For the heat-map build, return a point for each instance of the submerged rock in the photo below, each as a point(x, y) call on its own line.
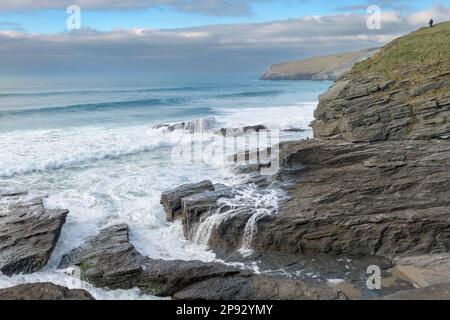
point(28, 233)
point(43, 291)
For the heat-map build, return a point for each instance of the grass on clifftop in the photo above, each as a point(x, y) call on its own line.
point(422, 54)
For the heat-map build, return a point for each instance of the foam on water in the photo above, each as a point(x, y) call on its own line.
point(249, 199)
point(286, 117)
point(115, 172)
point(62, 279)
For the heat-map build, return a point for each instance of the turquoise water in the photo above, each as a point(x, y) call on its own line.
point(91, 147)
point(26, 106)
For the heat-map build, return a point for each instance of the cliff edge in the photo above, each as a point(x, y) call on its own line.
point(328, 67)
point(375, 180)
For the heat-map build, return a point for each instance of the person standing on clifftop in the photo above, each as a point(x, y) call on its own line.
point(431, 23)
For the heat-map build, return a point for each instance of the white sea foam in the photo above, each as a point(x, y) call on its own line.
point(249, 199)
point(25, 152)
point(287, 117)
point(109, 175)
point(62, 279)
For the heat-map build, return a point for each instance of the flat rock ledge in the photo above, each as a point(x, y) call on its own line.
point(28, 233)
point(43, 291)
point(434, 292)
point(110, 260)
point(388, 198)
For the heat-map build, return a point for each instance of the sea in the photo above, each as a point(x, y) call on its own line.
point(97, 148)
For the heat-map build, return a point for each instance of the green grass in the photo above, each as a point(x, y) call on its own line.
point(418, 55)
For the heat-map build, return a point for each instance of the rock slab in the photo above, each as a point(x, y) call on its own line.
point(43, 291)
point(110, 260)
point(28, 233)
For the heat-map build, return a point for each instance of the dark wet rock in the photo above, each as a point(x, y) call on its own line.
point(257, 287)
point(374, 181)
point(344, 273)
point(28, 233)
point(365, 109)
point(234, 132)
point(195, 202)
point(362, 199)
point(200, 205)
point(228, 233)
point(434, 292)
point(171, 199)
point(294, 130)
point(110, 260)
point(43, 291)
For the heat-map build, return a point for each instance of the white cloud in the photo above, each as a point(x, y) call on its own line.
point(438, 14)
point(217, 48)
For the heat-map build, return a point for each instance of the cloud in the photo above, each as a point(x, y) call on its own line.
point(6, 25)
point(385, 5)
point(215, 49)
point(209, 7)
point(438, 14)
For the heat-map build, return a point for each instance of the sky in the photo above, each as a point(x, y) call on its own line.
point(212, 37)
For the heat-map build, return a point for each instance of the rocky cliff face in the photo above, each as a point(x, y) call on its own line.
point(367, 108)
point(375, 181)
point(319, 68)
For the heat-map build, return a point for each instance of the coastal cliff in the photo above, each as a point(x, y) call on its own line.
point(371, 188)
point(328, 67)
point(374, 181)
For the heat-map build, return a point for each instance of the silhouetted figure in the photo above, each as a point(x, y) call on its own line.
point(431, 23)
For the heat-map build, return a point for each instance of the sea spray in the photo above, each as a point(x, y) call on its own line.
point(265, 204)
point(112, 167)
point(248, 200)
point(207, 226)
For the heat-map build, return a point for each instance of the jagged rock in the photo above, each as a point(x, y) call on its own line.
point(257, 287)
point(43, 291)
point(233, 132)
point(228, 233)
point(171, 199)
point(434, 292)
point(200, 205)
point(362, 111)
point(194, 203)
point(374, 181)
point(362, 199)
point(28, 233)
point(110, 260)
point(357, 199)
